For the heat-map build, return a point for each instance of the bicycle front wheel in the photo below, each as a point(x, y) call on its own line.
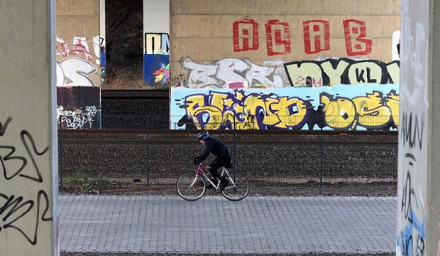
point(191, 187)
point(238, 187)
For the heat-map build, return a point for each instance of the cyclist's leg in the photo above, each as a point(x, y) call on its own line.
point(215, 165)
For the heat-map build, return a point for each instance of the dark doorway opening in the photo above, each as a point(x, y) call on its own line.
point(124, 44)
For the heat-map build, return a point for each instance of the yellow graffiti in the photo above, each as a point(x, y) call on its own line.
point(291, 112)
point(260, 111)
point(254, 103)
point(280, 112)
point(368, 111)
point(371, 112)
point(339, 113)
point(392, 101)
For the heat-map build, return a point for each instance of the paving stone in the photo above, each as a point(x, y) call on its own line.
point(262, 225)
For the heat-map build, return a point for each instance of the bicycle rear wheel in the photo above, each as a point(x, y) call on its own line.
point(238, 187)
point(191, 187)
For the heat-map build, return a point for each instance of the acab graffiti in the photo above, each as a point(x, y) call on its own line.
point(279, 74)
point(226, 110)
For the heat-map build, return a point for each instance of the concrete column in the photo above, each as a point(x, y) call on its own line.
point(418, 225)
point(156, 15)
point(28, 143)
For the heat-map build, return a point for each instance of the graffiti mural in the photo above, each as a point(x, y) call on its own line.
point(80, 46)
point(279, 74)
point(316, 34)
point(75, 72)
point(78, 82)
point(79, 107)
point(156, 59)
point(333, 108)
point(341, 71)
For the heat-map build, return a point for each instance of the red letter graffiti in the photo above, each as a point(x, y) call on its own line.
point(242, 28)
point(283, 27)
point(355, 33)
point(320, 31)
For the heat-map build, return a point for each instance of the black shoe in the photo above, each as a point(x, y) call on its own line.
point(223, 184)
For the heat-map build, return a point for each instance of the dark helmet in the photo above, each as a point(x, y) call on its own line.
point(203, 135)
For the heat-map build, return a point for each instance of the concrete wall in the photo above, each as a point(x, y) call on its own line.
point(209, 30)
point(417, 234)
point(226, 54)
point(434, 171)
point(28, 145)
point(78, 63)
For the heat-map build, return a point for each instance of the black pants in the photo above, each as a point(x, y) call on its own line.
point(218, 162)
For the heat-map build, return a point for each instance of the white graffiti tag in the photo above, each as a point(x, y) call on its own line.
point(219, 74)
point(78, 119)
point(75, 72)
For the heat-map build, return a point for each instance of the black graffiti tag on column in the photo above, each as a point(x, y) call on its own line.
point(27, 140)
point(14, 210)
point(18, 207)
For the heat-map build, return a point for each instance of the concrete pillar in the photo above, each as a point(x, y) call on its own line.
point(156, 40)
point(418, 225)
point(28, 143)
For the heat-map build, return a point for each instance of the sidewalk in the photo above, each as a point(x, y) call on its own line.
point(264, 225)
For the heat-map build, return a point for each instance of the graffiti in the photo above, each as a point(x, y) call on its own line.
point(316, 36)
point(78, 119)
point(218, 75)
point(368, 111)
point(275, 30)
point(412, 238)
point(417, 58)
point(156, 59)
point(157, 43)
point(16, 211)
point(277, 33)
point(178, 80)
point(412, 133)
point(76, 72)
point(241, 29)
point(395, 50)
point(80, 46)
point(341, 71)
point(251, 110)
point(356, 42)
point(278, 74)
point(162, 75)
point(78, 107)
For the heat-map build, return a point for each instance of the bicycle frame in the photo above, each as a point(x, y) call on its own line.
point(202, 169)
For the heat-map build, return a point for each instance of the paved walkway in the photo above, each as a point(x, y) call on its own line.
point(165, 224)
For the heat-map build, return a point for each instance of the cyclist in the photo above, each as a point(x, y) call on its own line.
point(220, 150)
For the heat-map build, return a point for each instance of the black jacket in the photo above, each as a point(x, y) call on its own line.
point(215, 147)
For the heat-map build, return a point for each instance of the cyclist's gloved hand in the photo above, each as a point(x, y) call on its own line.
point(196, 160)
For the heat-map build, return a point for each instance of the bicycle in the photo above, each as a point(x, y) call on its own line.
point(192, 186)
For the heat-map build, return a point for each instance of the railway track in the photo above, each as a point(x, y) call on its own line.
point(245, 137)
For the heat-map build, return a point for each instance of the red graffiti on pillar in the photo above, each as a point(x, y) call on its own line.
point(247, 30)
point(355, 38)
point(281, 32)
point(319, 31)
